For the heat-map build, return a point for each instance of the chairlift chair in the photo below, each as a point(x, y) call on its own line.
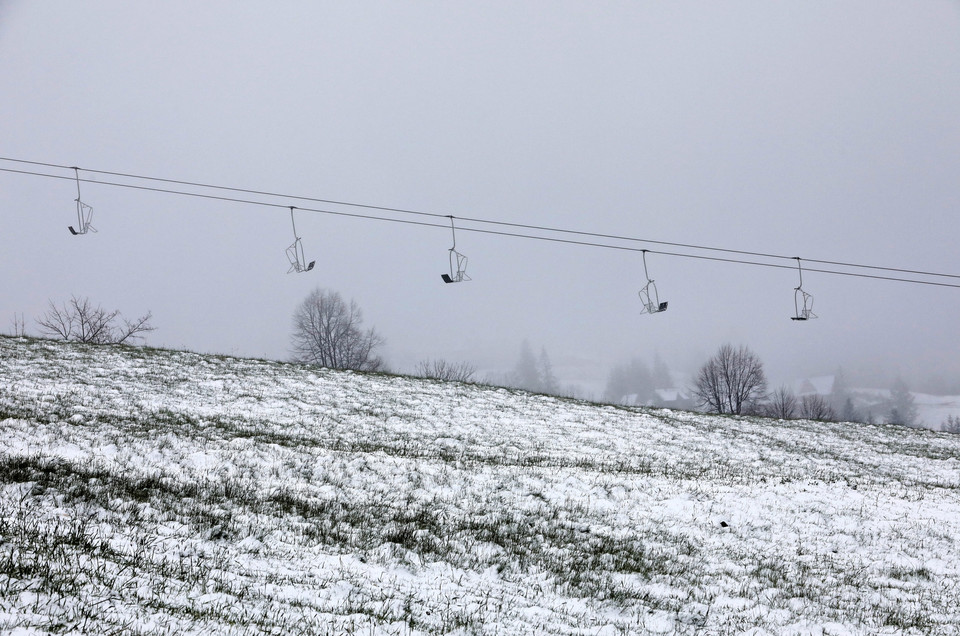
point(84, 212)
point(649, 297)
point(458, 262)
point(802, 301)
point(298, 263)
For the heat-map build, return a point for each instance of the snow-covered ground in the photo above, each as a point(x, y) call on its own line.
point(933, 410)
point(158, 492)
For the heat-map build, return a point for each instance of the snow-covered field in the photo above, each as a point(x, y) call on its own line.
point(933, 410)
point(158, 492)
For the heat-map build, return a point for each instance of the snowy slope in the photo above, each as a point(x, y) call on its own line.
point(159, 492)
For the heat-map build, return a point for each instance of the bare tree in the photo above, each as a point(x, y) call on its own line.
point(951, 425)
point(731, 381)
point(782, 405)
point(816, 407)
point(79, 320)
point(19, 326)
point(447, 371)
point(328, 332)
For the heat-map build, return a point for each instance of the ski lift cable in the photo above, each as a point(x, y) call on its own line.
point(229, 189)
point(536, 237)
point(482, 221)
point(540, 228)
point(500, 233)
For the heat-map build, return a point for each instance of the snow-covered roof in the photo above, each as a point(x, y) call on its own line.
point(671, 395)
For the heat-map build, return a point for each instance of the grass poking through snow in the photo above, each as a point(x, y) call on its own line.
point(161, 492)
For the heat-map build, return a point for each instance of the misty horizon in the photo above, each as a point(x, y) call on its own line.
point(828, 132)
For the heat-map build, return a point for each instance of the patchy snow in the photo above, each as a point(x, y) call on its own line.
point(152, 492)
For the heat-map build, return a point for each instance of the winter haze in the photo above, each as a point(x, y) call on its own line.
point(821, 130)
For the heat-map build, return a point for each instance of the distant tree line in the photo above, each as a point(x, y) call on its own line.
point(636, 382)
point(951, 425)
point(329, 332)
point(733, 381)
point(534, 373)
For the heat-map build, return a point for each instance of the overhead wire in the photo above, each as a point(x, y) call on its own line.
point(477, 220)
point(505, 224)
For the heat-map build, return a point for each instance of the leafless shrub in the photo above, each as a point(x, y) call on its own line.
point(815, 407)
point(782, 404)
point(80, 321)
point(447, 371)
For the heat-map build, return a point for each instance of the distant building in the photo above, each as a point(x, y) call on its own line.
point(662, 398)
point(674, 399)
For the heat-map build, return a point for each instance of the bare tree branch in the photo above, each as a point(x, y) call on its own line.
point(57, 322)
point(132, 330)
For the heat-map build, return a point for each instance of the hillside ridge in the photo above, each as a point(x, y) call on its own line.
point(156, 491)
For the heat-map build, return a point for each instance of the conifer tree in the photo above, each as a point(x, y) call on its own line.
point(548, 381)
point(903, 410)
point(525, 374)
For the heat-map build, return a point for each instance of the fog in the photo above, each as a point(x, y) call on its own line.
point(828, 131)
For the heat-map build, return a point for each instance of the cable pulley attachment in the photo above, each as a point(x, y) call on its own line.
point(84, 212)
point(648, 295)
point(458, 262)
point(802, 301)
point(298, 263)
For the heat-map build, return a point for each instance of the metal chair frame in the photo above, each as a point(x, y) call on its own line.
point(298, 263)
point(458, 262)
point(802, 301)
point(84, 212)
point(649, 297)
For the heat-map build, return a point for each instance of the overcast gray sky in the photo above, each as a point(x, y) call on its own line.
point(826, 130)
